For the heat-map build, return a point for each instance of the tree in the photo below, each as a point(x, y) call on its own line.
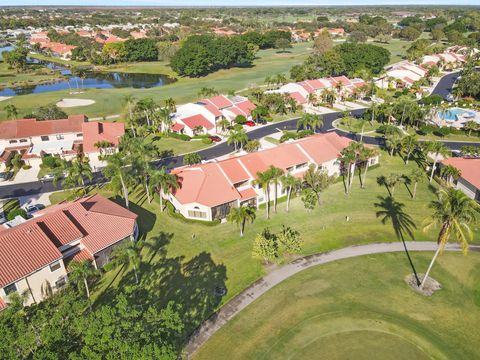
point(283, 44)
point(471, 126)
point(437, 34)
point(127, 254)
point(80, 272)
point(118, 171)
point(17, 58)
point(322, 43)
point(391, 181)
point(75, 173)
point(275, 176)
point(290, 240)
point(264, 180)
point(348, 157)
point(265, 246)
point(408, 145)
point(17, 162)
point(241, 215)
point(358, 36)
point(163, 182)
point(453, 212)
point(416, 176)
point(309, 199)
point(259, 112)
point(17, 212)
point(437, 149)
point(238, 138)
point(450, 173)
point(192, 159)
point(207, 92)
point(393, 143)
point(130, 102)
point(317, 180)
point(252, 146)
point(291, 183)
point(11, 111)
point(365, 154)
point(310, 122)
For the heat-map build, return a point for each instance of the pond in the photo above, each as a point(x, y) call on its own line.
point(92, 79)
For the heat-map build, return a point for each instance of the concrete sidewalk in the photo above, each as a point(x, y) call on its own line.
point(257, 289)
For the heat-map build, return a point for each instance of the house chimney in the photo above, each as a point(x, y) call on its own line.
point(100, 128)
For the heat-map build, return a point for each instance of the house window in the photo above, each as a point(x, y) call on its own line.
point(10, 289)
point(55, 266)
point(61, 282)
point(12, 142)
point(60, 137)
point(197, 214)
point(80, 135)
point(23, 140)
point(44, 138)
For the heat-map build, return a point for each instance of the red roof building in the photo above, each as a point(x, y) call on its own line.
point(94, 132)
point(198, 120)
point(469, 181)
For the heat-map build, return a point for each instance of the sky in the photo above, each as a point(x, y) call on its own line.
point(230, 3)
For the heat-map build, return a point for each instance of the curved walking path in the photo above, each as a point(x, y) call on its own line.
point(257, 289)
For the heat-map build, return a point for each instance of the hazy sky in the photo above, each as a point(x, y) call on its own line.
point(230, 3)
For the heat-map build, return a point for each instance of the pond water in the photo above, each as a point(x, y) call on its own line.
point(92, 79)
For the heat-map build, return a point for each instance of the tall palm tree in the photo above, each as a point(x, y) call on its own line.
point(416, 176)
point(141, 153)
point(275, 175)
point(76, 172)
point(291, 183)
point(347, 158)
point(453, 212)
point(118, 172)
point(471, 126)
point(241, 215)
point(163, 182)
point(316, 180)
point(130, 101)
point(391, 181)
point(365, 154)
point(238, 138)
point(393, 142)
point(264, 180)
point(171, 105)
point(408, 145)
point(80, 272)
point(450, 173)
point(437, 149)
point(127, 254)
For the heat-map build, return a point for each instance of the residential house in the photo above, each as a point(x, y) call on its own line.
point(208, 191)
point(400, 75)
point(35, 254)
point(469, 181)
point(58, 49)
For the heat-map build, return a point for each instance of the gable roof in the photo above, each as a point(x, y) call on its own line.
point(220, 101)
point(94, 132)
point(197, 120)
point(23, 128)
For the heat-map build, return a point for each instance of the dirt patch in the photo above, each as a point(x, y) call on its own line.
point(67, 103)
point(430, 287)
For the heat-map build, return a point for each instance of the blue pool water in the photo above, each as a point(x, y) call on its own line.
point(453, 114)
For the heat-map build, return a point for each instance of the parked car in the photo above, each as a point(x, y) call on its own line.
point(215, 138)
point(32, 209)
point(456, 153)
point(250, 123)
point(449, 98)
point(4, 176)
point(3, 218)
point(48, 177)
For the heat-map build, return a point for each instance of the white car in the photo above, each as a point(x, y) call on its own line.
point(32, 209)
point(48, 177)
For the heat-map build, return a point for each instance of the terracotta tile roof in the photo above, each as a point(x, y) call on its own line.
point(94, 132)
point(3, 305)
point(248, 193)
point(24, 128)
point(246, 106)
point(298, 97)
point(24, 249)
point(197, 120)
point(236, 111)
point(234, 170)
point(220, 101)
point(315, 84)
point(324, 147)
point(59, 228)
point(470, 169)
point(177, 127)
point(79, 256)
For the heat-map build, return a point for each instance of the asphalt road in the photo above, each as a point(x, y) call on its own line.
point(33, 188)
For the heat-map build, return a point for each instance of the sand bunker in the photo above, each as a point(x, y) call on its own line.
point(66, 103)
point(2, 98)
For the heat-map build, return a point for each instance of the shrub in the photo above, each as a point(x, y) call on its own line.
point(50, 161)
point(426, 129)
point(443, 131)
point(171, 212)
point(26, 167)
point(288, 136)
point(207, 141)
point(240, 119)
point(12, 214)
point(182, 137)
point(304, 133)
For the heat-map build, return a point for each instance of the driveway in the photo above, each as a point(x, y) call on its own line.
point(261, 286)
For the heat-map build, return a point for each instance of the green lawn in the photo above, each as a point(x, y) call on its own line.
point(360, 308)
point(34, 74)
point(176, 146)
point(356, 125)
point(397, 47)
point(180, 257)
point(110, 101)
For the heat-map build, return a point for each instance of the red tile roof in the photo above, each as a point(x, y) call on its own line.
point(470, 169)
point(234, 170)
point(3, 304)
point(246, 106)
point(248, 193)
point(298, 97)
point(24, 128)
point(177, 127)
point(79, 256)
point(24, 249)
point(94, 132)
point(59, 227)
point(197, 120)
point(220, 101)
point(331, 146)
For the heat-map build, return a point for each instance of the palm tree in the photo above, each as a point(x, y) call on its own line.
point(471, 126)
point(291, 183)
point(391, 181)
point(130, 101)
point(453, 211)
point(365, 154)
point(238, 138)
point(316, 180)
point(416, 176)
point(241, 215)
point(128, 254)
point(11, 111)
point(310, 122)
point(119, 174)
point(275, 175)
point(393, 142)
point(408, 145)
point(347, 158)
point(263, 180)
point(163, 182)
point(450, 173)
point(437, 148)
point(223, 124)
point(76, 172)
point(81, 271)
point(258, 112)
point(17, 162)
point(171, 105)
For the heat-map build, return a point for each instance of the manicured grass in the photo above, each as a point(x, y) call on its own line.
point(397, 47)
point(110, 101)
point(58, 60)
point(34, 74)
point(360, 308)
point(356, 125)
point(176, 146)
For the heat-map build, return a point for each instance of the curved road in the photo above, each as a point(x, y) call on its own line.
point(443, 88)
point(261, 286)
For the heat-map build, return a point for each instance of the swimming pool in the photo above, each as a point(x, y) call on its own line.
point(453, 114)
